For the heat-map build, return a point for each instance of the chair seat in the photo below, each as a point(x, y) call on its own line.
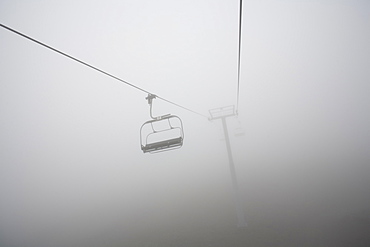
point(171, 143)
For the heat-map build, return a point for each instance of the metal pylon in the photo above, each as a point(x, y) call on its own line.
point(222, 113)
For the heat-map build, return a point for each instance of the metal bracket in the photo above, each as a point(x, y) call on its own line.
point(150, 102)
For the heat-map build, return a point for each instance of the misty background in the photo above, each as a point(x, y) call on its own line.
point(71, 169)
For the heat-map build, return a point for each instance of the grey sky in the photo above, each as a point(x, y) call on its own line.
point(69, 136)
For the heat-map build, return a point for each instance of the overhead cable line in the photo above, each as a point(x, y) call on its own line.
point(239, 53)
point(95, 68)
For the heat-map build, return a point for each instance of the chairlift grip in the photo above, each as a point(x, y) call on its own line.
point(150, 98)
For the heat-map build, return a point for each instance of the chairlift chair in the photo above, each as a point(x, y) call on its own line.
point(238, 132)
point(162, 133)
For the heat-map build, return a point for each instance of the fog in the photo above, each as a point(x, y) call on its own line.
point(72, 172)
